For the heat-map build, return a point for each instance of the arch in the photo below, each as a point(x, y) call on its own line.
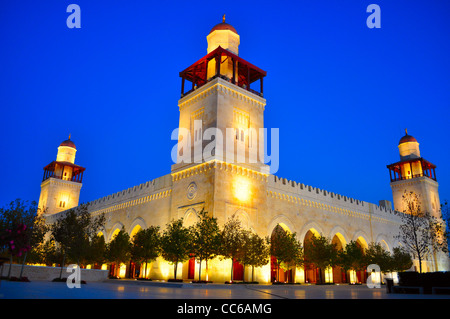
point(382, 240)
point(281, 220)
point(244, 218)
point(340, 233)
point(190, 217)
point(361, 241)
point(384, 244)
point(339, 274)
point(311, 272)
point(137, 225)
point(360, 238)
point(313, 226)
point(115, 230)
point(276, 272)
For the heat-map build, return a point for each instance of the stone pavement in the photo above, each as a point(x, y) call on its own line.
point(131, 289)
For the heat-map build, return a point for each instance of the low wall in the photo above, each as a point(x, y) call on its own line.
point(50, 273)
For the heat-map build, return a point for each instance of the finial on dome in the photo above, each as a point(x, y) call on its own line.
point(406, 131)
point(69, 136)
point(223, 19)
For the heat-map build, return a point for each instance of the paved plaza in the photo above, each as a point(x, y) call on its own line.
point(130, 289)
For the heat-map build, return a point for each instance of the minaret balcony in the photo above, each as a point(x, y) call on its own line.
point(412, 168)
point(65, 171)
point(224, 64)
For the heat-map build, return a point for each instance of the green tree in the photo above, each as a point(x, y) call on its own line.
point(119, 250)
point(420, 233)
point(352, 257)
point(206, 239)
point(322, 253)
point(96, 253)
point(285, 249)
point(255, 251)
point(176, 244)
point(232, 241)
point(378, 255)
point(73, 231)
point(400, 260)
point(146, 246)
point(21, 227)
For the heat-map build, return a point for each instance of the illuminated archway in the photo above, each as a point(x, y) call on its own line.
point(311, 272)
point(115, 230)
point(190, 218)
point(135, 267)
point(277, 274)
point(361, 275)
point(116, 270)
point(339, 274)
point(137, 225)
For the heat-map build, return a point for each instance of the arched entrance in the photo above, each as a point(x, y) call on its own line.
point(311, 271)
point(277, 273)
point(134, 268)
point(339, 275)
point(361, 275)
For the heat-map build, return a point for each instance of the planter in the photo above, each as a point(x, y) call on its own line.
point(175, 280)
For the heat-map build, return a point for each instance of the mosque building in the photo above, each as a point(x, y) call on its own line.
point(225, 94)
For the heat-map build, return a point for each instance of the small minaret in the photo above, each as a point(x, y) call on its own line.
point(414, 173)
point(61, 183)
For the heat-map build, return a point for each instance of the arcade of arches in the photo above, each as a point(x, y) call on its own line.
point(309, 273)
point(306, 274)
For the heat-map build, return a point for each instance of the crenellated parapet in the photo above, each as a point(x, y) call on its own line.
point(310, 196)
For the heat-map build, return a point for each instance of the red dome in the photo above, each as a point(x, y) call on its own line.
point(68, 143)
point(407, 138)
point(223, 26)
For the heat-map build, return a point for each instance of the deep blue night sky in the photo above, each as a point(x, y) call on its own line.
point(340, 93)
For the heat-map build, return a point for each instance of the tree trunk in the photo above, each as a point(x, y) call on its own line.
point(175, 267)
point(10, 266)
point(23, 264)
point(145, 275)
point(232, 268)
point(200, 270)
point(62, 266)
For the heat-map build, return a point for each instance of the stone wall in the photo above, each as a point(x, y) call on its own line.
point(49, 273)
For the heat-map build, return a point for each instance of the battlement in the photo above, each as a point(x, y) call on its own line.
point(301, 193)
point(157, 188)
point(133, 193)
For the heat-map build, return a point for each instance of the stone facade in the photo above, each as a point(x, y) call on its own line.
point(224, 186)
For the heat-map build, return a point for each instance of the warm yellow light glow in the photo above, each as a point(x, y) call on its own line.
point(242, 189)
point(122, 270)
point(134, 231)
point(104, 267)
point(329, 275)
point(352, 274)
point(300, 275)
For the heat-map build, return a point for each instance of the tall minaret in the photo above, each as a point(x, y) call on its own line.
point(414, 173)
point(218, 167)
point(61, 183)
point(222, 96)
